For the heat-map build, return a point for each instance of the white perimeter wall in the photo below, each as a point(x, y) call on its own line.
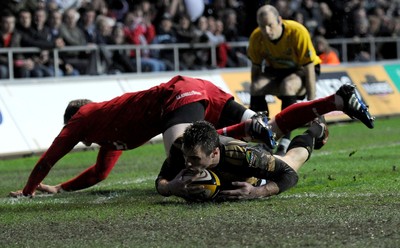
point(31, 112)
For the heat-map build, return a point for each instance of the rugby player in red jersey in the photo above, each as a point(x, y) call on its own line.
point(132, 119)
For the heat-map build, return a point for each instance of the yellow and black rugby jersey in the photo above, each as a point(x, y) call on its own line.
point(240, 161)
point(292, 50)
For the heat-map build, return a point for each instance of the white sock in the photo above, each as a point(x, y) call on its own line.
point(247, 115)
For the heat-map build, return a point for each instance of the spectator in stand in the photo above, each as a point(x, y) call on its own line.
point(118, 9)
point(72, 35)
point(30, 38)
point(54, 24)
point(284, 8)
point(119, 60)
point(139, 31)
point(312, 17)
point(327, 20)
point(166, 35)
point(11, 38)
point(149, 12)
point(383, 25)
point(327, 54)
point(231, 33)
point(216, 27)
point(203, 35)
point(223, 58)
point(185, 33)
point(16, 5)
point(238, 7)
point(99, 6)
point(43, 40)
point(104, 26)
point(103, 29)
point(359, 51)
point(87, 24)
point(212, 34)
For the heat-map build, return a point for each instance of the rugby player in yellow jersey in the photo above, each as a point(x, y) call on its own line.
point(291, 63)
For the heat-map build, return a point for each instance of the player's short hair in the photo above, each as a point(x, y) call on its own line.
point(201, 134)
point(73, 107)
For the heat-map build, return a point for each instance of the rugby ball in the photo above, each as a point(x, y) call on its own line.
point(211, 184)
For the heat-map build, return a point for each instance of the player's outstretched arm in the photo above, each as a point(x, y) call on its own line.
point(246, 191)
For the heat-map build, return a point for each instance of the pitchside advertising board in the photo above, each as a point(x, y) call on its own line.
point(31, 112)
point(378, 85)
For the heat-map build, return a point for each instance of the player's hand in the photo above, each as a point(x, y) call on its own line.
point(243, 191)
point(19, 193)
point(180, 185)
point(49, 188)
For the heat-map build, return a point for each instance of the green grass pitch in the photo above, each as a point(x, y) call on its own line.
point(347, 196)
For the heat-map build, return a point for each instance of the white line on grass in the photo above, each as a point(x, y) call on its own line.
point(101, 199)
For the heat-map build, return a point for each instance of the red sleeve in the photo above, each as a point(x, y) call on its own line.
point(62, 144)
point(106, 160)
point(222, 57)
point(131, 36)
point(150, 33)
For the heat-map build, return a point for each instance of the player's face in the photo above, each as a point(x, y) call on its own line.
point(270, 26)
point(197, 159)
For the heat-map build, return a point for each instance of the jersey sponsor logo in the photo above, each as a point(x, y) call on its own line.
point(186, 94)
point(252, 157)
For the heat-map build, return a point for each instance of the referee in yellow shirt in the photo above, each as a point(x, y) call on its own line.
point(284, 63)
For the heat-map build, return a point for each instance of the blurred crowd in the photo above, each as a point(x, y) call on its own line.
point(49, 24)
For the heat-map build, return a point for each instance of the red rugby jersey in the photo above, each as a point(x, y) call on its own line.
point(128, 121)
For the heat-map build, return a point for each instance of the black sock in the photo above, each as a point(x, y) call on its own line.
point(315, 131)
point(287, 101)
point(258, 103)
point(305, 140)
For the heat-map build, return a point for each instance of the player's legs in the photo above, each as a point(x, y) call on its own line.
point(353, 105)
point(288, 119)
point(301, 147)
point(234, 113)
point(176, 122)
point(259, 89)
point(301, 113)
point(290, 87)
point(172, 133)
point(252, 126)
